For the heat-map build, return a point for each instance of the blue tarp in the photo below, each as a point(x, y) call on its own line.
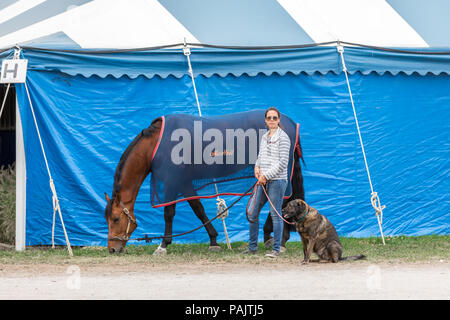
point(89, 107)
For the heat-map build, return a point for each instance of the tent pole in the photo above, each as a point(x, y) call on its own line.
point(21, 187)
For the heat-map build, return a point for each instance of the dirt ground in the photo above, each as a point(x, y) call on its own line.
point(266, 281)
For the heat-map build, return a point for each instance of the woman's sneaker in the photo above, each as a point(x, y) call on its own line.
point(273, 254)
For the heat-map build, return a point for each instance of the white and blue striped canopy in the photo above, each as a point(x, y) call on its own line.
point(150, 23)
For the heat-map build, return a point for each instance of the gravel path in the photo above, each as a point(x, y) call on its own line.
point(357, 280)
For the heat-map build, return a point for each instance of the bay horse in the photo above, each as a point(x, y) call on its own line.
point(134, 166)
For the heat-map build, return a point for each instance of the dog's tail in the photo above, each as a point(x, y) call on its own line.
point(357, 257)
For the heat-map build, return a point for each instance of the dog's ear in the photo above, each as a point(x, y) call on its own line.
point(301, 205)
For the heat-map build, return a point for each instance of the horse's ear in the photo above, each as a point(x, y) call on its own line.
point(107, 198)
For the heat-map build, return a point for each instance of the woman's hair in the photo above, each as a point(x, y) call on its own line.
point(273, 109)
point(278, 112)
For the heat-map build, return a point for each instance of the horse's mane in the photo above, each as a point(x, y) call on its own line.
point(123, 159)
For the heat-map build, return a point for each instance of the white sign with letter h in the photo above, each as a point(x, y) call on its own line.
point(14, 71)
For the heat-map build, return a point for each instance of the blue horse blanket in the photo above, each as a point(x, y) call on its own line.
point(203, 157)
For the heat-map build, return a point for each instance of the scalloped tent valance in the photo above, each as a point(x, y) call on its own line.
point(236, 61)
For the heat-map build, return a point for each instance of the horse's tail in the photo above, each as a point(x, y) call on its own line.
point(298, 192)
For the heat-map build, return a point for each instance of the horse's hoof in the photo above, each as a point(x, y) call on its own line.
point(214, 248)
point(160, 251)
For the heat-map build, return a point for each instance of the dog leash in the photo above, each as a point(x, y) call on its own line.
point(270, 202)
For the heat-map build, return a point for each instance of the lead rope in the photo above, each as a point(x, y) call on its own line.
point(56, 206)
point(253, 196)
point(221, 205)
point(374, 199)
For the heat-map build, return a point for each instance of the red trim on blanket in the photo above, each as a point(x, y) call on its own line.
point(159, 138)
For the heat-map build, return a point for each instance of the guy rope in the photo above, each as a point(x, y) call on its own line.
point(221, 205)
point(56, 206)
point(374, 200)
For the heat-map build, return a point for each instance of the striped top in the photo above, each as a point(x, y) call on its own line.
point(273, 157)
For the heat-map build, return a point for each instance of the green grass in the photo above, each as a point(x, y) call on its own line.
point(400, 249)
point(7, 204)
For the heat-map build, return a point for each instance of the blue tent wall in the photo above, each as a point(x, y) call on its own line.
point(87, 122)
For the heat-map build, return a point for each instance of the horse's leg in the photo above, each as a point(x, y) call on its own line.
point(268, 228)
point(298, 192)
point(169, 214)
point(199, 211)
point(286, 234)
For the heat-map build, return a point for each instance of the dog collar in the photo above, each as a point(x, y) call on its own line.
point(303, 217)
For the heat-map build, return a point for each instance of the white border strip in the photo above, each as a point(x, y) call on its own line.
point(17, 8)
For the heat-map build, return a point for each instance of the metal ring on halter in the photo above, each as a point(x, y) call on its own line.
point(126, 237)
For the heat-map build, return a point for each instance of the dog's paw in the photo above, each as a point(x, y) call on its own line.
point(305, 262)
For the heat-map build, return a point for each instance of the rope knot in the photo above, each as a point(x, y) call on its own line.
point(221, 208)
point(375, 200)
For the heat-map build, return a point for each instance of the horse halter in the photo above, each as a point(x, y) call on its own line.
point(126, 237)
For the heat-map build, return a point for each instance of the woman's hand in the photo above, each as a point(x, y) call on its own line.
point(262, 179)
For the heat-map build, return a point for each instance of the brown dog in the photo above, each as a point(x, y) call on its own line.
point(317, 233)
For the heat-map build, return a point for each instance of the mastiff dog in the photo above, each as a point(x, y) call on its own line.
point(317, 233)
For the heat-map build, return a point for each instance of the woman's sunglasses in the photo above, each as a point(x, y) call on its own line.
point(274, 118)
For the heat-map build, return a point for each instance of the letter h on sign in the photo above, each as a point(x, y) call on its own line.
point(14, 71)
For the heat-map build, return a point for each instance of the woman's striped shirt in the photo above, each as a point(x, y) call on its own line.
point(273, 157)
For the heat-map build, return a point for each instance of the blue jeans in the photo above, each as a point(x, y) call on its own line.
point(275, 190)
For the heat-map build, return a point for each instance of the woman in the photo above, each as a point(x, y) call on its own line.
point(271, 172)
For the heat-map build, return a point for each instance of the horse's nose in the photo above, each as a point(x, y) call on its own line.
point(115, 250)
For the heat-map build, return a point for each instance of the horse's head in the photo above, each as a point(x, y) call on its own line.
point(121, 223)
